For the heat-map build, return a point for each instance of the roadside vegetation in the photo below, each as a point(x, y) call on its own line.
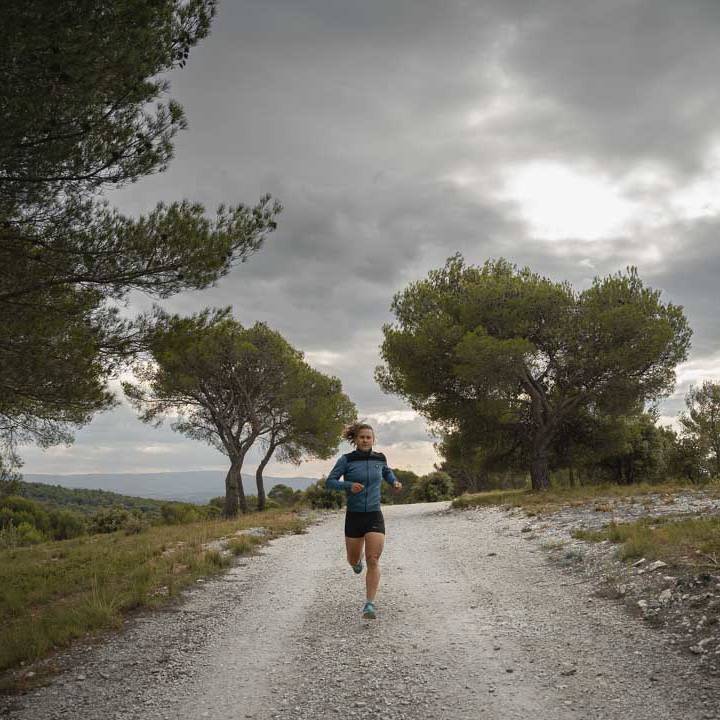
point(53, 592)
point(690, 541)
point(536, 503)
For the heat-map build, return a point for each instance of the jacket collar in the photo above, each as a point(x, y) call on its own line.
point(360, 455)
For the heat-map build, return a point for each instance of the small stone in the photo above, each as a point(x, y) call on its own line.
point(656, 565)
point(509, 670)
point(665, 596)
point(638, 562)
point(81, 677)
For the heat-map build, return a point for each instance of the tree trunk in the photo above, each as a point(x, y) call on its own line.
point(231, 495)
point(259, 476)
point(571, 476)
point(234, 493)
point(539, 474)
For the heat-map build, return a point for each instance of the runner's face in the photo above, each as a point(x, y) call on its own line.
point(364, 439)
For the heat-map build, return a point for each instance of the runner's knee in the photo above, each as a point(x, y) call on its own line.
point(373, 559)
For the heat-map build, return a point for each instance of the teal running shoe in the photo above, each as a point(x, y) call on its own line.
point(358, 567)
point(369, 610)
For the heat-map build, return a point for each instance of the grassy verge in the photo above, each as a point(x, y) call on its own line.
point(56, 591)
point(691, 541)
point(537, 502)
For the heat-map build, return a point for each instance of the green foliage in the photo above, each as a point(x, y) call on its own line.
point(433, 487)
point(109, 520)
point(85, 110)
point(66, 524)
point(179, 513)
point(24, 533)
point(84, 501)
point(17, 510)
point(232, 386)
point(283, 495)
point(388, 496)
point(687, 460)
point(307, 418)
point(320, 497)
point(506, 358)
point(701, 423)
point(270, 504)
point(135, 524)
point(23, 521)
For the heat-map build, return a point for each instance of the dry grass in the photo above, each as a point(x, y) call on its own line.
point(536, 502)
point(56, 591)
point(690, 541)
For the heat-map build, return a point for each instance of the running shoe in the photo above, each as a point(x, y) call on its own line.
point(369, 610)
point(358, 567)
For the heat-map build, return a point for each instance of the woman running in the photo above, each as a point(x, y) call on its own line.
point(364, 471)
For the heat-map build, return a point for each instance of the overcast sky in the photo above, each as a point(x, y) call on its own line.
point(573, 137)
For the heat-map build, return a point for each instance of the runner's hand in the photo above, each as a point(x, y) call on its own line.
point(356, 488)
point(397, 486)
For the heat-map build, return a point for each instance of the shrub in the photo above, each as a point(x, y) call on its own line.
point(18, 510)
point(30, 535)
point(282, 494)
point(135, 524)
point(66, 524)
point(318, 496)
point(212, 511)
point(252, 503)
point(108, 520)
point(179, 513)
point(433, 487)
point(12, 536)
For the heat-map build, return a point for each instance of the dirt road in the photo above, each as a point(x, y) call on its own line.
point(473, 622)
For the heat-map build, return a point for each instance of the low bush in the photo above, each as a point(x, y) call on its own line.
point(432, 488)
point(179, 513)
point(109, 520)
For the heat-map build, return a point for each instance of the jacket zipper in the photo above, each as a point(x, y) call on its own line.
point(367, 480)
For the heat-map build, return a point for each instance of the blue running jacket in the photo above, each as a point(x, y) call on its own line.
point(367, 468)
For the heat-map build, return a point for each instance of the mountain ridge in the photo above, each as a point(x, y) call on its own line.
point(197, 486)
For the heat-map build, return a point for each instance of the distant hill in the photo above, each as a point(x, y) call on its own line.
point(193, 486)
point(86, 502)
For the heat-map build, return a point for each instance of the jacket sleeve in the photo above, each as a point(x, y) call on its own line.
point(333, 481)
point(388, 475)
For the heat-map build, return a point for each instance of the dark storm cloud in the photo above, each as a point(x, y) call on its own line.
point(627, 82)
point(387, 129)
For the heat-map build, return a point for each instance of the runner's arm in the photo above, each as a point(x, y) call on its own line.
point(388, 475)
point(333, 481)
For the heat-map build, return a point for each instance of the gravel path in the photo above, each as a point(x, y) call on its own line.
point(473, 622)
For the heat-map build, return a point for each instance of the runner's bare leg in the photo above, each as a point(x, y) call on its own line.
point(354, 547)
point(374, 543)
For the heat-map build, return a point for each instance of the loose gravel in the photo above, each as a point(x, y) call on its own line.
point(474, 621)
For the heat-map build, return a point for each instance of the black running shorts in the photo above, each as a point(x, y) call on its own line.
point(359, 523)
